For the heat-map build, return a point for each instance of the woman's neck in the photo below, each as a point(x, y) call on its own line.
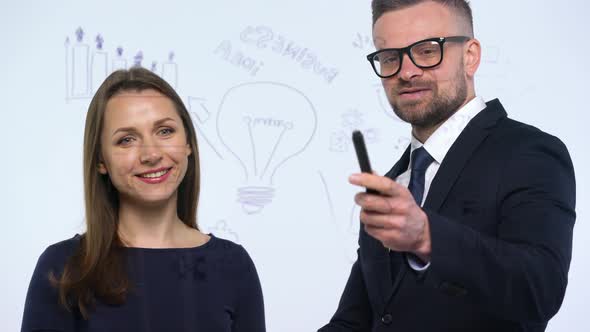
point(152, 226)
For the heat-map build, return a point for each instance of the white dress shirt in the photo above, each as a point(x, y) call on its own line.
point(437, 145)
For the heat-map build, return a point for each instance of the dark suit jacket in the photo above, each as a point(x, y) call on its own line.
point(501, 211)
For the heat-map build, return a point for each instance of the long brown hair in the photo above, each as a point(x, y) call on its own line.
point(97, 269)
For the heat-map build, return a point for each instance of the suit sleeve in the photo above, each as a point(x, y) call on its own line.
point(520, 274)
point(354, 310)
point(42, 309)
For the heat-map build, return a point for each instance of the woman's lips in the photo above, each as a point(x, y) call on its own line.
point(155, 177)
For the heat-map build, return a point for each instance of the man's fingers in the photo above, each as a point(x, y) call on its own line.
point(373, 203)
point(379, 220)
point(382, 234)
point(382, 184)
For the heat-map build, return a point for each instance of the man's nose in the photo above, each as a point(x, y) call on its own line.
point(409, 70)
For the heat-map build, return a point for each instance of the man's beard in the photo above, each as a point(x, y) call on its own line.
point(437, 110)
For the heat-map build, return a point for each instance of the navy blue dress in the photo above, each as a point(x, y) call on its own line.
point(209, 288)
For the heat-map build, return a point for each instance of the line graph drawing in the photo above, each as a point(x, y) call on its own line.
point(263, 125)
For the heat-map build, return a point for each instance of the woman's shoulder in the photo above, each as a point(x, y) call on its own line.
point(229, 251)
point(225, 246)
point(58, 253)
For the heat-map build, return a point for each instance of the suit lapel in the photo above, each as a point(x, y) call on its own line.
point(400, 166)
point(384, 276)
point(460, 152)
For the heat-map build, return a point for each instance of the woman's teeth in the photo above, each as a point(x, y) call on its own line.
point(154, 175)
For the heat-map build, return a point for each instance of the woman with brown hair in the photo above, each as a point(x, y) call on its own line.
point(142, 264)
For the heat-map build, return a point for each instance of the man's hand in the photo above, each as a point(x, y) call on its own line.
point(393, 217)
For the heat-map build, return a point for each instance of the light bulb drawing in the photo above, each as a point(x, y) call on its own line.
point(264, 124)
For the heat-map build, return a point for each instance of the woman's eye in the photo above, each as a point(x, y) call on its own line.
point(125, 140)
point(166, 131)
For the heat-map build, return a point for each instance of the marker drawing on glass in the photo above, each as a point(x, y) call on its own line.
point(200, 115)
point(170, 71)
point(99, 64)
point(119, 62)
point(222, 230)
point(67, 66)
point(352, 119)
point(80, 69)
point(263, 125)
point(137, 59)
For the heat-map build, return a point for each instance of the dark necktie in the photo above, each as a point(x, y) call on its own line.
point(421, 159)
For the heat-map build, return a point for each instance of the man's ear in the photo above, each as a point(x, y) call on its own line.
point(472, 57)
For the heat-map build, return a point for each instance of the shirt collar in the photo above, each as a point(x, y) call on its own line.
point(439, 143)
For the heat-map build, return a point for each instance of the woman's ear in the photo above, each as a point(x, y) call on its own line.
point(189, 151)
point(102, 169)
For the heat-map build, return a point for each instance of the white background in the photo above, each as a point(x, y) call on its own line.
point(535, 60)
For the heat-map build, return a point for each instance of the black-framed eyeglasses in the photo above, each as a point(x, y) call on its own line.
point(427, 53)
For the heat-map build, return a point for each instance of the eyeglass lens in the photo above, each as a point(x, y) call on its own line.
point(425, 54)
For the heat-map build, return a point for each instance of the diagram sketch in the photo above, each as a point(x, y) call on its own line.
point(170, 71)
point(263, 125)
point(352, 119)
point(99, 64)
point(201, 115)
point(77, 67)
point(119, 62)
point(362, 41)
point(347, 226)
point(86, 67)
point(384, 102)
point(351, 233)
point(265, 38)
point(222, 230)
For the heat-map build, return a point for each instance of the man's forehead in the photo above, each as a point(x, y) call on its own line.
point(405, 26)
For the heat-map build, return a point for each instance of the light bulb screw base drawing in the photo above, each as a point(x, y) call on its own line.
point(254, 198)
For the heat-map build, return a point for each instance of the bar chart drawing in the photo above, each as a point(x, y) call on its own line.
point(87, 67)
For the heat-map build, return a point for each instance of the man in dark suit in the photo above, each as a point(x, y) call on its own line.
point(472, 228)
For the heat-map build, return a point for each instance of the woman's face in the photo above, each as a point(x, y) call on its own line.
point(144, 149)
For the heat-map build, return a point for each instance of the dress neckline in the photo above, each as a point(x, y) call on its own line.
point(203, 246)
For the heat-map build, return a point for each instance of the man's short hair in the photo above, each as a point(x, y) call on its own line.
point(460, 7)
